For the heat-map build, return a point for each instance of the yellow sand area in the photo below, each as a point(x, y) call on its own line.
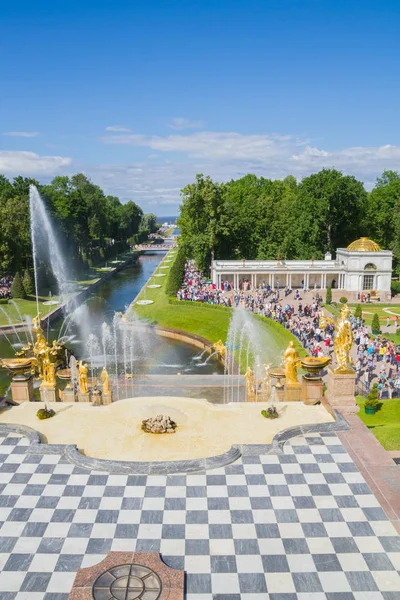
point(204, 429)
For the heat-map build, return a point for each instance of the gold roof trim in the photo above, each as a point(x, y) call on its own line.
point(364, 244)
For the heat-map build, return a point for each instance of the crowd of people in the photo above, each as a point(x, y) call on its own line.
point(5, 286)
point(376, 359)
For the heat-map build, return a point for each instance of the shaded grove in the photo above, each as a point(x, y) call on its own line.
point(258, 218)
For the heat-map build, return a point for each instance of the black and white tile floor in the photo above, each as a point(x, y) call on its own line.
point(302, 525)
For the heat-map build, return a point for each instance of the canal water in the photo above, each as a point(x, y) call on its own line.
point(162, 356)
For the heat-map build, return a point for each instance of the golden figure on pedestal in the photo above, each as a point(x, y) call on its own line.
point(250, 384)
point(83, 377)
point(343, 341)
point(105, 378)
point(291, 361)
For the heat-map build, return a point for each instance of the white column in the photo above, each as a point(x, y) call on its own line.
point(272, 280)
point(253, 281)
point(236, 280)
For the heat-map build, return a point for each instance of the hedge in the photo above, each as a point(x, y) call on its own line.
point(176, 273)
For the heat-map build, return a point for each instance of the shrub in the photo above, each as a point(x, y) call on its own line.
point(17, 288)
point(358, 312)
point(328, 295)
point(175, 277)
point(343, 300)
point(28, 283)
point(372, 399)
point(395, 287)
point(3, 300)
point(376, 326)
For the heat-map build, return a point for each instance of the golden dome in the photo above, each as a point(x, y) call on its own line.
point(364, 244)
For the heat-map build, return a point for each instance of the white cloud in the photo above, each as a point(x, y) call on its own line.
point(25, 134)
point(227, 155)
point(271, 151)
point(29, 163)
point(117, 128)
point(183, 123)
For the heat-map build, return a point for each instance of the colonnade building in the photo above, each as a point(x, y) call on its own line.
point(361, 267)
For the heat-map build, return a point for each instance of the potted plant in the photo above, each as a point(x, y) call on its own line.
point(372, 402)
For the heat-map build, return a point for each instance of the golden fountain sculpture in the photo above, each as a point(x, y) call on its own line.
point(343, 342)
point(250, 384)
point(291, 361)
point(38, 359)
point(220, 348)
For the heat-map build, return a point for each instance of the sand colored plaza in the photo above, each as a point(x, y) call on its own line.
point(204, 429)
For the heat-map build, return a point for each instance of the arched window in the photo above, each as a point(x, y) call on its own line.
point(370, 267)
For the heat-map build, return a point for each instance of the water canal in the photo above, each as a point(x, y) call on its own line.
point(152, 355)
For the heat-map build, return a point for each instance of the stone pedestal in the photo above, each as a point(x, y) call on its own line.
point(107, 398)
point(312, 391)
point(22, 388)
point(293, 392)
point(83, 397)
point(280, 393)
point(68, 395)
point(49, 393)
point(340, 391)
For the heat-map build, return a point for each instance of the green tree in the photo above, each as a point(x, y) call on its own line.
point(382, 219)
point(330, 207)
point(17, 288)
point(328, 295)
point(376, 326)
point(148, 222)
point(358, 312)
point(28, 283)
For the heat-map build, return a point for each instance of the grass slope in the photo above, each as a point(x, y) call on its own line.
point(208, 320)
point(384, 424)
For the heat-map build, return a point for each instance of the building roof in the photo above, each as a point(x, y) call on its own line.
point(364, 244)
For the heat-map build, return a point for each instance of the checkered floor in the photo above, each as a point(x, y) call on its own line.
point(300, 526)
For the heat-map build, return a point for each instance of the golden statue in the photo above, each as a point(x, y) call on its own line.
point(36, 328)
point(220, 348)
point(105, 378)
point(83, 377)
point(250, 384)
point(291, 360)
point(49, 370)
point(343, 342)
point(324, 321)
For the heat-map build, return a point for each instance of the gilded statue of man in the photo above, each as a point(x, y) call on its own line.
point(343, 341)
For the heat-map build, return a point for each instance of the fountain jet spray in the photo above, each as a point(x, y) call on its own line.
point(43, 237)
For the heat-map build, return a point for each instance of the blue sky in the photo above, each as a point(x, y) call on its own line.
point(141, 95)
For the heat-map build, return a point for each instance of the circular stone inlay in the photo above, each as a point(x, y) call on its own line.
point(153, 286)
point(127, 582)
point(144, 302)
point(159, 275)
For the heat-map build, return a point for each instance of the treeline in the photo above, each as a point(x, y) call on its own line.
point(93, 226)
point(257, 218)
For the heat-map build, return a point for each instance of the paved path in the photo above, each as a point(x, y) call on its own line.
point(303, 525)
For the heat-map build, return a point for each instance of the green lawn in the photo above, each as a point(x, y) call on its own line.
point(26, 307)
point(384, 424)
point(207, 320)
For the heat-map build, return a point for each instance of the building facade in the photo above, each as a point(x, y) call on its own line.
point(361, 267)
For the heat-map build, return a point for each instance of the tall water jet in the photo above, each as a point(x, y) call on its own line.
point(44, 239)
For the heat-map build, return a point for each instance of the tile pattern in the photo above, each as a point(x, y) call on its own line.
point(302, 525)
